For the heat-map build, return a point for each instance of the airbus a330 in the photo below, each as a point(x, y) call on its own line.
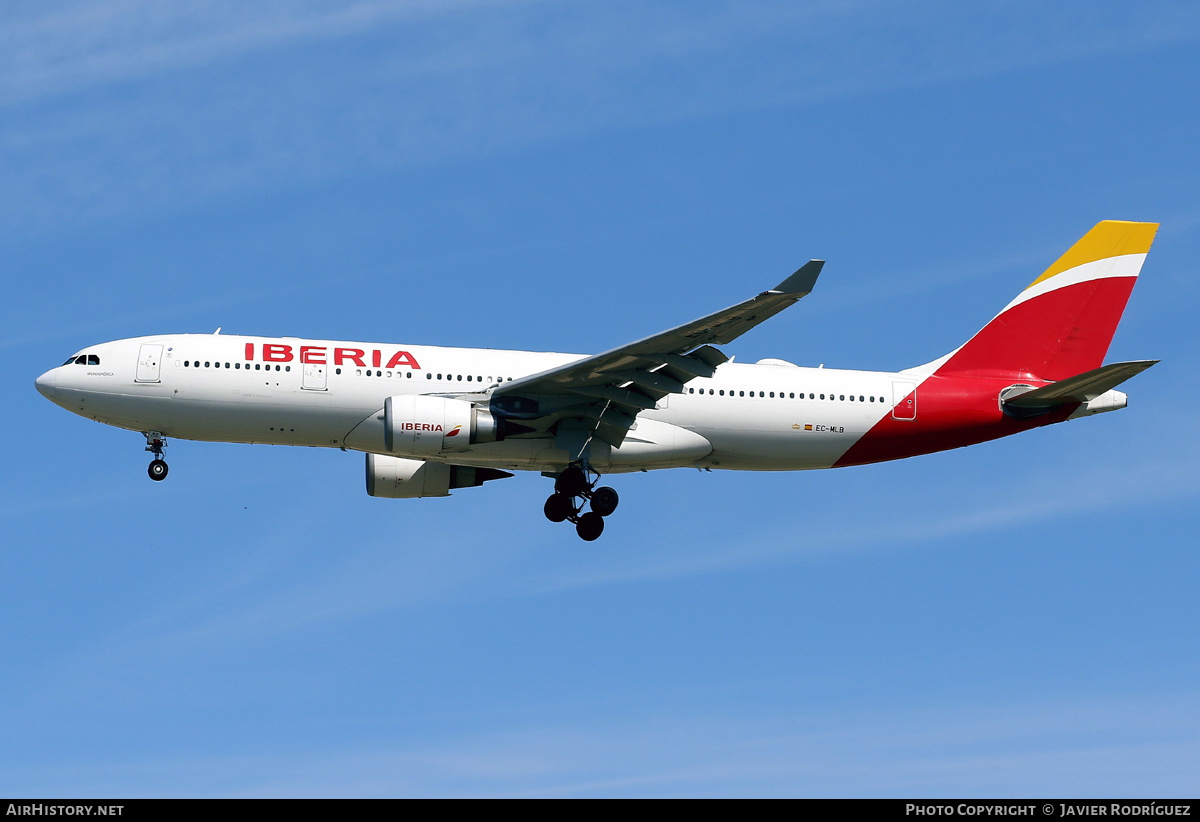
point(433, 419)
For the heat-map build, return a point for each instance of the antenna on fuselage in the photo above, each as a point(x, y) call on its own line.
point(218, 331)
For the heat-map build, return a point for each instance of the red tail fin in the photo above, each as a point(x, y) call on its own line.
point(1062, 324)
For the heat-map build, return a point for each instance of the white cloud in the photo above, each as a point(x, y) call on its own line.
point(135, 107)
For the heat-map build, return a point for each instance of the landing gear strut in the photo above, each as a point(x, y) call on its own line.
point(155, 443)
point(572, 489)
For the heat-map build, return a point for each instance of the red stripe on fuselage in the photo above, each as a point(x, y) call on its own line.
point(951, 412)
point(1050, 337)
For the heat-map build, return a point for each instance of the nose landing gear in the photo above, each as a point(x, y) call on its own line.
point(155, 443)
point(575, 482)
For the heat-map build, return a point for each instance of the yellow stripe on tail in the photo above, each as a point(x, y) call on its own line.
point(1110, 238)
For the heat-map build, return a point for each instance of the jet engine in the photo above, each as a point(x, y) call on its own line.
point(400, 478)
point(423, 425)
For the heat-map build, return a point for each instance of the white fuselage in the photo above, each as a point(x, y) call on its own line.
point(331, 394)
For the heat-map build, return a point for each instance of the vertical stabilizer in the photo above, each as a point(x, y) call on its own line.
point(1062, 324)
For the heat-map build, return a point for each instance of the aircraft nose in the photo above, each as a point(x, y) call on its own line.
point(47, 384)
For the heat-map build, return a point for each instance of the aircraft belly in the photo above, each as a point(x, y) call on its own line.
point(241, 418)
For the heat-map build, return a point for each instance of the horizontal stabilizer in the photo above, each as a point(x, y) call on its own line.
point(1082, 387)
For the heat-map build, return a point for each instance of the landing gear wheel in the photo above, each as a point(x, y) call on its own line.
point(604, 500)
point(558, 507)
point(157, 470)
point(590, 526)
point(572, 482)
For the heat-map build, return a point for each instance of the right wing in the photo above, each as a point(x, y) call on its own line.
point(608, 390)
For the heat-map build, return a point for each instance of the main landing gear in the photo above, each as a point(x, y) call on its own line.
point(155, 443)
point(574, 482)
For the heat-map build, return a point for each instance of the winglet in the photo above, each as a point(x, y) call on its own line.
point(802, 281)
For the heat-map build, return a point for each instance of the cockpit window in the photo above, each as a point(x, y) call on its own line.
point(81, 359)
point(93, 359)
point(70, 360)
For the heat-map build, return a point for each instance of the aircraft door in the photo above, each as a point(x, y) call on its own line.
point(904, 401)
point(148, 363)
point(314, 378)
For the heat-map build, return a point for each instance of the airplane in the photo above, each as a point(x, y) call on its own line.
point(435, 419)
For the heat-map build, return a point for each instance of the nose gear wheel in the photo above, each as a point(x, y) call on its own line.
point(155, 443)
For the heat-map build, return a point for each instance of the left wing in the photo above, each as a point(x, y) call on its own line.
point(609, 389)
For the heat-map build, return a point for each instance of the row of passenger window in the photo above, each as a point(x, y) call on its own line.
point(791, 395)
point(83, 359)
point(358, 372)
point(429, 375)
point(209, 364)
point(459, 378)
point(92, 359)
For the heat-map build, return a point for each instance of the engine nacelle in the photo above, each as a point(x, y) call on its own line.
point(401, 478)
point(424, 425)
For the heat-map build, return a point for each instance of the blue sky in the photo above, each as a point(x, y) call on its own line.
point(1017, 618)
